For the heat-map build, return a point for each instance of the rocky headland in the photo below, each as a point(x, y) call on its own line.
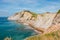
point(45, 24)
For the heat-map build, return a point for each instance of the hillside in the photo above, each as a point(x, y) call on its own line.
point(49, 36)
point(52, 33)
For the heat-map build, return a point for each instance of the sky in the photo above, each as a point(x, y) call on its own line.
point(9, 7)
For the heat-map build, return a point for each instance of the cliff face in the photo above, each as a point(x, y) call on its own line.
point(56, 19)
point(47, 23)
point(14, 17)
point(51, 33)
point(44, 20)
point(39, 22)
point(21, 15)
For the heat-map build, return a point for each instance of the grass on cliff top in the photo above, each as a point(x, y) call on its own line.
point(34, 14)
point(49, 36)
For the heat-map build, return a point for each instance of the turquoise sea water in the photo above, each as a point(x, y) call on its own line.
point(14, 30)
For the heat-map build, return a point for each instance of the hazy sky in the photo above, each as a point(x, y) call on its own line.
point(9, 7)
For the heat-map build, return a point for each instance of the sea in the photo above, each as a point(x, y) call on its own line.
point(14, 30)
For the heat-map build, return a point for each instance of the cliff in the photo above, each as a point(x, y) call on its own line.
point(46, 23)
point(38, 22)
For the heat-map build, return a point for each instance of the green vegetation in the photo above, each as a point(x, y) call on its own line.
point(34, 14)
point(58, 11)
point(49, 36)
